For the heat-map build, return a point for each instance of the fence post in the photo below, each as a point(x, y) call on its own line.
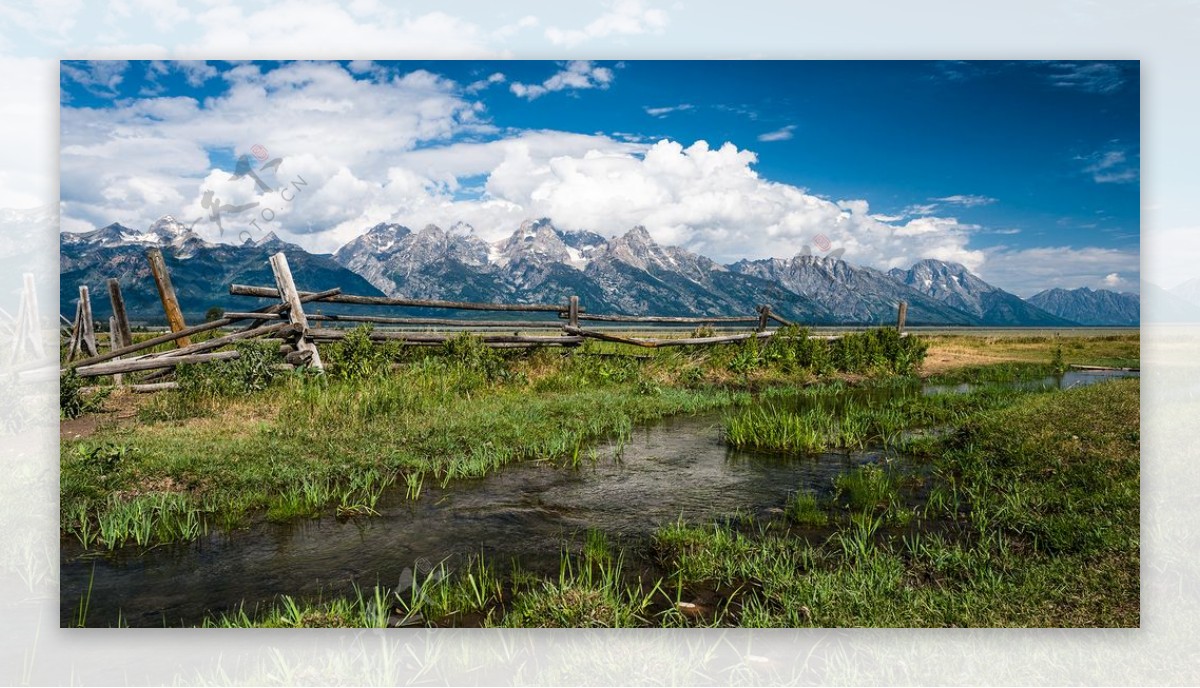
point(291, 298)
point(900, 316)
point(573, 312)
point(29, 329)
point(76, 329)
point(166, 292)
point(116, 340)
point(764, 314)
point(87, 332)
point(118, 307)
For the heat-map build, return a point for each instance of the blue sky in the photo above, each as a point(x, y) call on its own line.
point(1026, 172)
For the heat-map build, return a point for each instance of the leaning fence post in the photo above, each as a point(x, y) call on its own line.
point(87, 333)
point(166, 292)
point(573, 311)
point(30, 326)
point(291, 298)
point(118, 307)
point(764, 314)
point(116, 340)
point(76, 331)
point(900, 316)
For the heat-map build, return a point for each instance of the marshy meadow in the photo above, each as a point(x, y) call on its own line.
point(943, 478)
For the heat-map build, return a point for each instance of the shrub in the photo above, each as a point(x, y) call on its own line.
point(252, 371)
point(468, 352)
point(73, 401)
point(1057, 363)
point(357, 357)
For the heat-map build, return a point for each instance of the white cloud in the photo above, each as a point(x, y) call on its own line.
point(392, 148)
point(491, 80)
point(919, 209)
point(710, 201)
point(507, 31)
point(1095, 77)
point(98, 76)
point(303, 31)
point(1111, 166)
point(782, 134)
point(966, 200)
point(1114, 280)
point(575, 75)
point(150, 157)
point(625, 18)
point(1027, 271)
point(27, 163)
point(664, 111)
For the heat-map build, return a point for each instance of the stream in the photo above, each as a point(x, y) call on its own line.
point(524, 512)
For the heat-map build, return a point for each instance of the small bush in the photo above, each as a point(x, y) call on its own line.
point(252, 371)
point(358, 358)
point(868, 488)
point(468, 351)
point(804, 508)
point(73, 401)
point(1057, 363)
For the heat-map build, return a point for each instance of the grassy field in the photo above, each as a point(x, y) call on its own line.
point(1023, 510)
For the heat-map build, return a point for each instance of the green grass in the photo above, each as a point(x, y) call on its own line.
point(239, 437)
point(1030, 516)
point(1036, 525)
point(1034, 522)
point(876, 414)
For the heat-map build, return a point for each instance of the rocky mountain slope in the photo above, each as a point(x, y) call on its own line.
point(1090, 307)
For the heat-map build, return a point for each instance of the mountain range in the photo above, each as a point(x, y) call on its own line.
point(201, 272)
point(539, 263)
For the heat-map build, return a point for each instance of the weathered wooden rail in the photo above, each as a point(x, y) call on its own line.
point(287, 322)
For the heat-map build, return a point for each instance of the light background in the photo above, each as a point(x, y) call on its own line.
point(33, 36)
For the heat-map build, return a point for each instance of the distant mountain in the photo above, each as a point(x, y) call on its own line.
point(1188, 291)
point(201, 272)
point(853, 294)
point(538, 263)
point(1164, 306)
point(954, 285)
point(1088, 307)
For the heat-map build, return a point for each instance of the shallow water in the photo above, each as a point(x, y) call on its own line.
point(677, 468)
point(1068, 380)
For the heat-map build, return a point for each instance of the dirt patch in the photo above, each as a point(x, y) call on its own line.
point(941, 359)
point(119, 407)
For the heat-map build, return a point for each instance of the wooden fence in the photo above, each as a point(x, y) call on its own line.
point(288, 322)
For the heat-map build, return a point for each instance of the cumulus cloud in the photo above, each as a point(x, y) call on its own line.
point(339, 154)
point(710, 200)
point(624, 18)
point(1028, 271)
point(153, 156)
point(575, 75)
point(781, 134)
